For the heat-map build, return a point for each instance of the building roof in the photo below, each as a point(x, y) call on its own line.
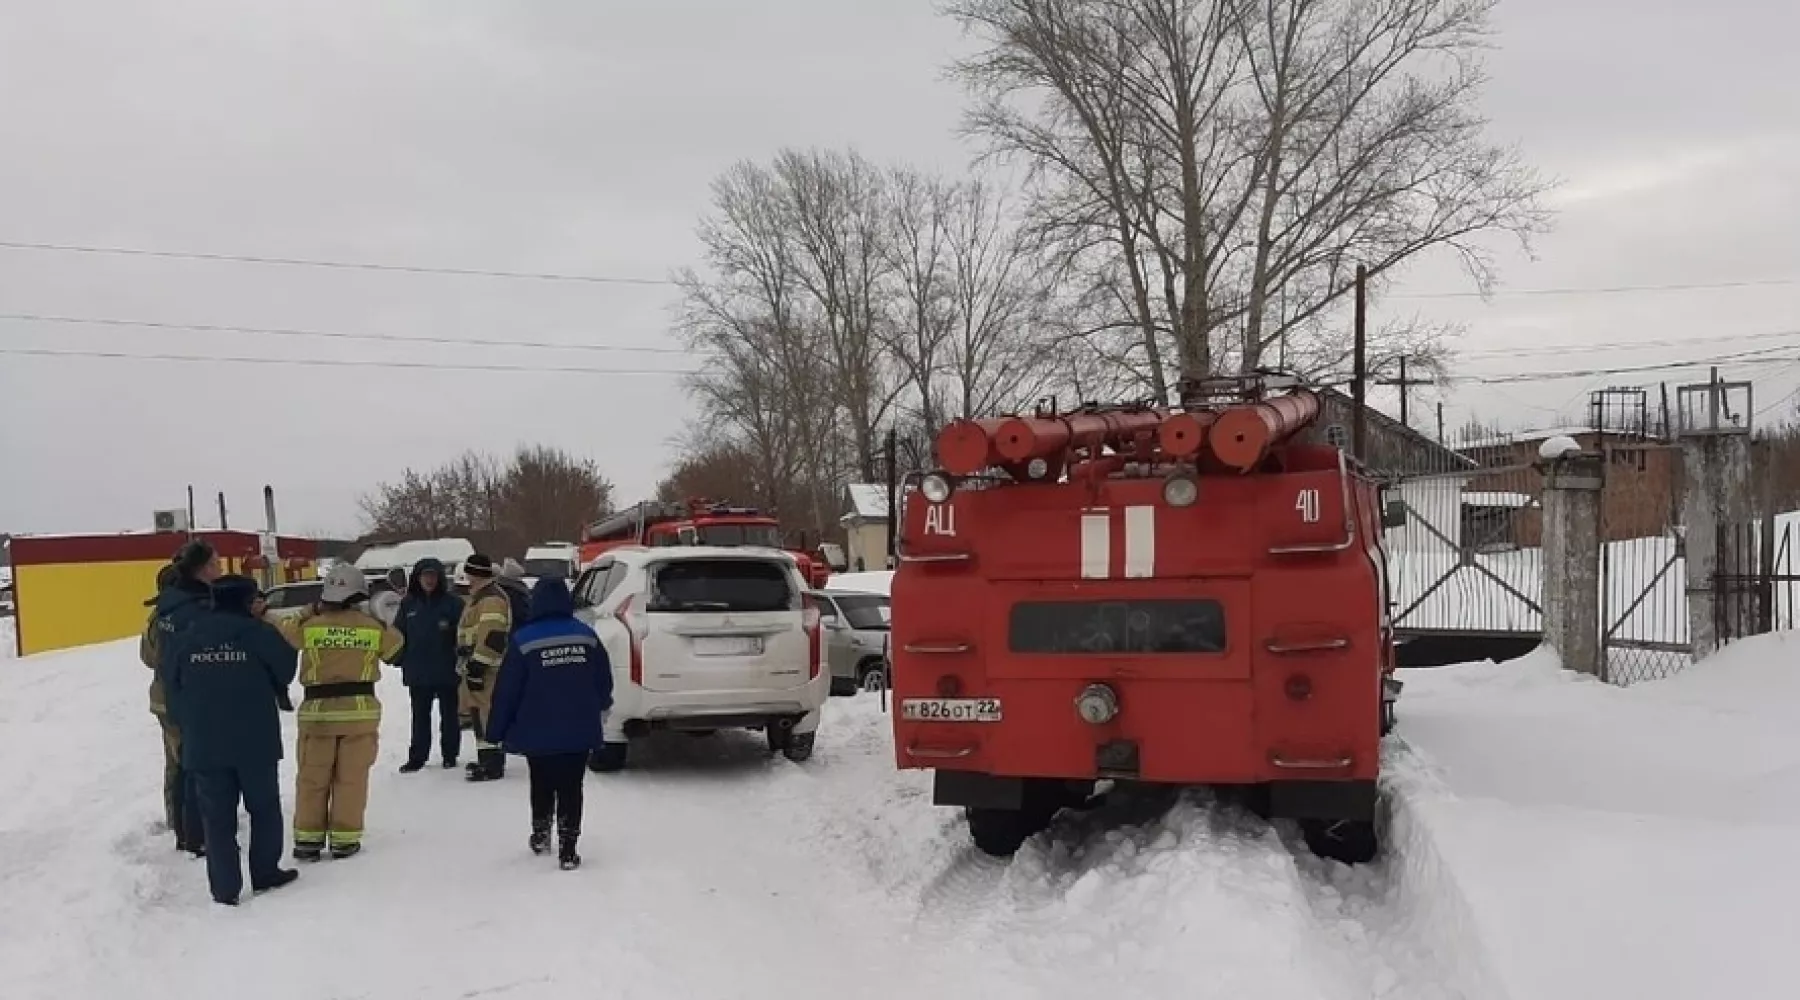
point(868, 501)
point(1532, 436)
point(1392, 447)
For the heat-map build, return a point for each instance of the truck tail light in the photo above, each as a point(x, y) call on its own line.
point(809, 620)
point(630, 621)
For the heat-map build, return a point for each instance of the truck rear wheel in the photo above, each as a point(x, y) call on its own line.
point(1000, 833)
point(1352, 842)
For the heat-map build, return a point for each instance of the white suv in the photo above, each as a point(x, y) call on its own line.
point(704, 638)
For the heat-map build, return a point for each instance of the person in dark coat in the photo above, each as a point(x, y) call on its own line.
point(226, 670)
point(555, 683)
point(188, 593)
point(428, 617)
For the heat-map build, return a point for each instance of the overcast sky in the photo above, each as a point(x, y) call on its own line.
point(581, 135)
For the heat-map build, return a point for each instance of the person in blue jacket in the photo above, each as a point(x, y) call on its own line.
point(555, 683)
point(228, 674)
point(428, 617)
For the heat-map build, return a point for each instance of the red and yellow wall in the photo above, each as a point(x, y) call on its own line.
point(75, 590)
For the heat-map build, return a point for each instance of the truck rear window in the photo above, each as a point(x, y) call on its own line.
point(1100, 627)
point(713, 585)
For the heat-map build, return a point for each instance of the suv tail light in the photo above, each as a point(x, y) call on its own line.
point(637, 641)
point(809, 620)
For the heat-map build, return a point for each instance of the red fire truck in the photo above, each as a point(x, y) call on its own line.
point(693, 522)
point(1186, 596)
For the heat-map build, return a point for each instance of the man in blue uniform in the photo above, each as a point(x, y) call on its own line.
point(555, 685)
point(227, 673)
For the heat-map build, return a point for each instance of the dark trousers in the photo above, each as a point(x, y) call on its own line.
point(449, 729)
point(556, 790)
point(181, 806)
point(190, 833)
point(220, 790)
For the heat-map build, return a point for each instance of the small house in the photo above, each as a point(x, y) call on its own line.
point(866, 521)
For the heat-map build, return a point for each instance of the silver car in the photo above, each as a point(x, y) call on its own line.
point(856, 638)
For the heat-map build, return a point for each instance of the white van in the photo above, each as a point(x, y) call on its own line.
point(704, 638)
point(558, 559)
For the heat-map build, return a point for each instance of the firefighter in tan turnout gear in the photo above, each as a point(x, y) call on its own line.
point(341, 649)
point(481, 639)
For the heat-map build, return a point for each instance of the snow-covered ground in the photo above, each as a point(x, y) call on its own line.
point(1620, 842)
point(1551, 838)
point(9, 639)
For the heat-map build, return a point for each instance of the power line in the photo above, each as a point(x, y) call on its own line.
point(349, 265)
point(345, 363)
point(1692, 286)
point(1754, 356)
point(1744, 358)
point(26, 245)
point(1622, 345)
point(333, 334)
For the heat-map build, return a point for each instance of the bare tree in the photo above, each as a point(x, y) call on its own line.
point(1215, 169)
point(548, 494)
point(541, 494)
point(837, 225)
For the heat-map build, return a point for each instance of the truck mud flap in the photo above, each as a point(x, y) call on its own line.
point(980, 791)
point(1334, 800)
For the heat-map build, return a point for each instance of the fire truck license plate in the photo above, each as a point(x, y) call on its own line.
point(950, 709)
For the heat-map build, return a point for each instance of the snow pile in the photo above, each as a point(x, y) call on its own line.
point(1618, 842)
point(9, 637)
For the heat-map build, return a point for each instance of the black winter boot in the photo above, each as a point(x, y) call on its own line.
point(490, 765)
point(283, 876)
point(566, 857)
point(341, 851)
point(308, 852)
point(412, 767)
point(540, 837)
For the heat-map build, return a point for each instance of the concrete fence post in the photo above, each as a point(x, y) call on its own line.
point(1571, 596)
point(1718, 500)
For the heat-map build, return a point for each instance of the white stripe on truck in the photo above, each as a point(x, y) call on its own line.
point(1096, 545)
point(1140, 542)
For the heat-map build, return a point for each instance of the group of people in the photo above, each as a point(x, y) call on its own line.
point(535, 680)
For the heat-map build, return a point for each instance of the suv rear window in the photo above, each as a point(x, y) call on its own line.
point(1100, 627)
point(721, 585)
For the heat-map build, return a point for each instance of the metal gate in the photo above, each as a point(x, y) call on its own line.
point(1467, 561)
point(1644, 606)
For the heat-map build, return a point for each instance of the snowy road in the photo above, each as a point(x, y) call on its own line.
point(1552, 838)
point(713, 871)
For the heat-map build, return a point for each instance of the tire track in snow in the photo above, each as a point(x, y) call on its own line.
point(1156, 892)
point(1148, 880)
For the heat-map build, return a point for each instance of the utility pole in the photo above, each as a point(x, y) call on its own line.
point(1440, 416)
point(1405, 385)
point(1359, 389)
point(893, 487)
point(192, 525)
point(224, 522)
